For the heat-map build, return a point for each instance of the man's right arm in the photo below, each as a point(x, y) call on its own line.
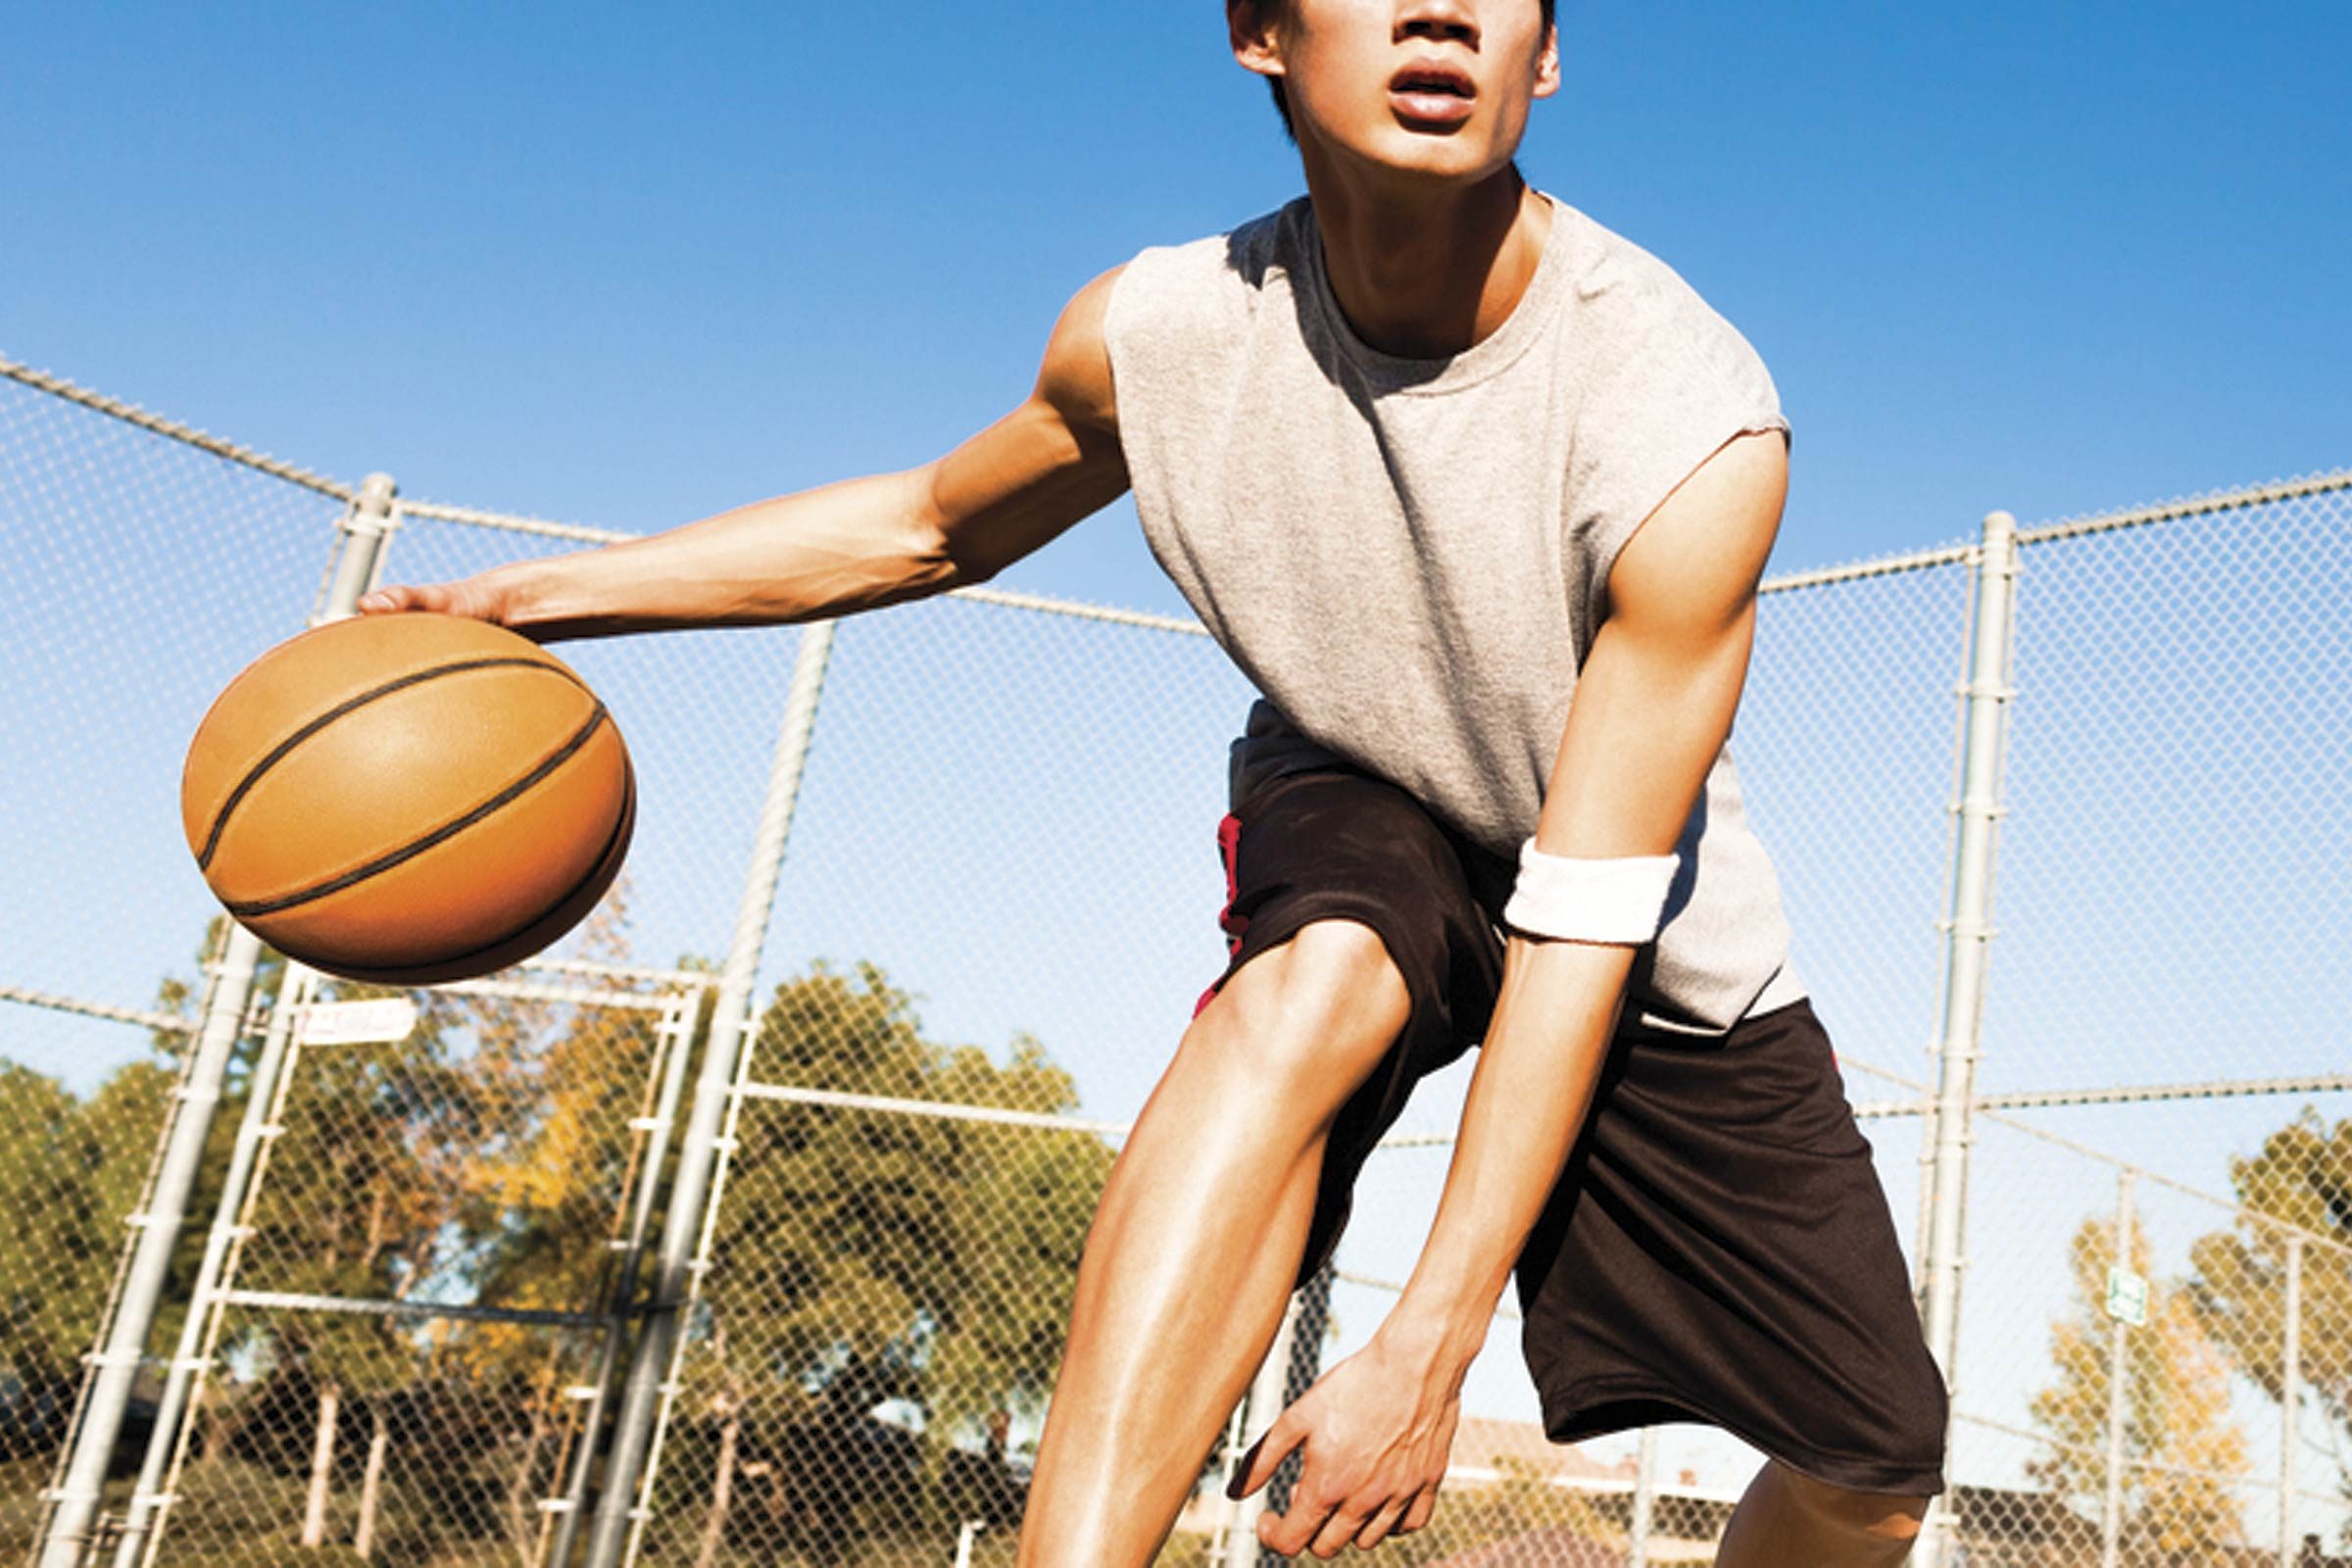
point(844, 546)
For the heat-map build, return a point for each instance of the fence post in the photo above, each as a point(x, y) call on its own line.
point(1968, 940)
point(730, 1017)
point(2291, 1397)
point(147, 1502)
point(677, 1036)
point(1310, 1329)
point(1645, 1502)
point(2119, 1371)
point(1265, 1402)
point(117, 1364)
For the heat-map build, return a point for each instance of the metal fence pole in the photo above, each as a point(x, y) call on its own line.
point(681, 1222)
point(2290, 1399)
point(1267, 1390)
point(677, 1034)
point(365, 529)
point(117, 1364)
point(1290, 1370)
point(2119, 1372)
point(1968, 938)
point(1310, 1329)
point(147, 1500)
point(1646, 1501)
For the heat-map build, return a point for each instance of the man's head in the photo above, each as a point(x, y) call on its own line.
point(1438, 84)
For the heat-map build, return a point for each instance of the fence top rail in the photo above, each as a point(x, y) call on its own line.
point(2323, 1083)
point(559, 996)
point(2018, 1124)
point(58, 386)
point(514, 523)
point(677, 979)
point(1873, 566)
point(168, 1022)
point(1008, 599)
point(2199, 506)
point(2336, 480)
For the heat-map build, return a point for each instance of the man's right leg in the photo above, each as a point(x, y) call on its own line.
point(1199, 1235)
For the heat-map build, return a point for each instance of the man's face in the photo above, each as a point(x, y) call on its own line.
point(1439, 88)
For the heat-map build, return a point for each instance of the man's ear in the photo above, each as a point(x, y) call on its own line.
point(1251, 25)
point(1547, 63)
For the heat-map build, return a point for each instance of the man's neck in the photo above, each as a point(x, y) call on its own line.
point(1426, 273)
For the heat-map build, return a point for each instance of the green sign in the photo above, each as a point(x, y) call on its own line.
point(2127, 1297)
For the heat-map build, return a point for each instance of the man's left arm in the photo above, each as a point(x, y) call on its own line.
point(1653, 706)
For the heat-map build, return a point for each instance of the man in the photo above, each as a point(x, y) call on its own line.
point(1432, 455)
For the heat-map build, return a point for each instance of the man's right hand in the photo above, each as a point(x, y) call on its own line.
point(482, 597)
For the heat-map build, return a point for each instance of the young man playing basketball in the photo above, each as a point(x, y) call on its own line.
point(1430, 455)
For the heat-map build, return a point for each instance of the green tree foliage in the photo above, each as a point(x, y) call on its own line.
point(885, 1315)
point(2178, 1432)
point(55, 1254)
point(484, 1158)
point(72, 1172)
point(2302, 1180)
point(870, 1261)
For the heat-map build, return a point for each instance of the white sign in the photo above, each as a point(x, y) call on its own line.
point(358, 1023)
point(2127, 1297)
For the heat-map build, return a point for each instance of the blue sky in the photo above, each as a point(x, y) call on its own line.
point(630, 265)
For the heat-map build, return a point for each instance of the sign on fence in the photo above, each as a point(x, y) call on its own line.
point(377, 1019)
point(2127, 1297)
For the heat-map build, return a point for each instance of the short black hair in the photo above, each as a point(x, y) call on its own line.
point(1282, 104)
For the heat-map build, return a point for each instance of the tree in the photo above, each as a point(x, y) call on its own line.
point(72, 1172)
point(54, 1256)
point(2299, 1184)
point(2178, 1433)
point(480, 1158)
point(871, 1261)
point(552, 1179)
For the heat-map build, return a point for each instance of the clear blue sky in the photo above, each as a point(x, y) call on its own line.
point(630, 265)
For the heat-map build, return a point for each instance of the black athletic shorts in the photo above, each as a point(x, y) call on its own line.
point(1719, 1249)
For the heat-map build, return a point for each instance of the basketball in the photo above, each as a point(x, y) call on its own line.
point(407, 799)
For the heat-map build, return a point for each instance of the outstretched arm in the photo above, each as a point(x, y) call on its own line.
point(842, 546)
point(1653, 706)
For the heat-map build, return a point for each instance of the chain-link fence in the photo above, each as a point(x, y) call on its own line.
point(743, 1226)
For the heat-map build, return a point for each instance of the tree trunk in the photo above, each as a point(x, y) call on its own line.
point(363, 1538)
point(323, 1465)
point(723, 1491)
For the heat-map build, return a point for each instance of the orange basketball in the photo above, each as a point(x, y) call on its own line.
point(407, 799)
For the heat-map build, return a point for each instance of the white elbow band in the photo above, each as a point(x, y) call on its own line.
point(1617, 901)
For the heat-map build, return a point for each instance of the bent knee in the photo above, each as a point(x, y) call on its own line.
point(1860, 1516)
point(1330, 999)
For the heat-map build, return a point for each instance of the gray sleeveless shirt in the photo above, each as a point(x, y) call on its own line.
point(1410, 558)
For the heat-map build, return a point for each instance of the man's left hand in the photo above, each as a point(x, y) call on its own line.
point(1377, 1430)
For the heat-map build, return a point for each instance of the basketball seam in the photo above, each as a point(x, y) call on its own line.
point(620, 825)
point(255, 908)
point(278, 752)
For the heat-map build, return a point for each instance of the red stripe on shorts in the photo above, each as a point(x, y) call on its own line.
point(1229, 849)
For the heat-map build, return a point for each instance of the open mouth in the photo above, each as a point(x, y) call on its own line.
point(1432, 93)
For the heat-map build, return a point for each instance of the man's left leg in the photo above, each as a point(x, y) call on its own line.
point(1786, 1520)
